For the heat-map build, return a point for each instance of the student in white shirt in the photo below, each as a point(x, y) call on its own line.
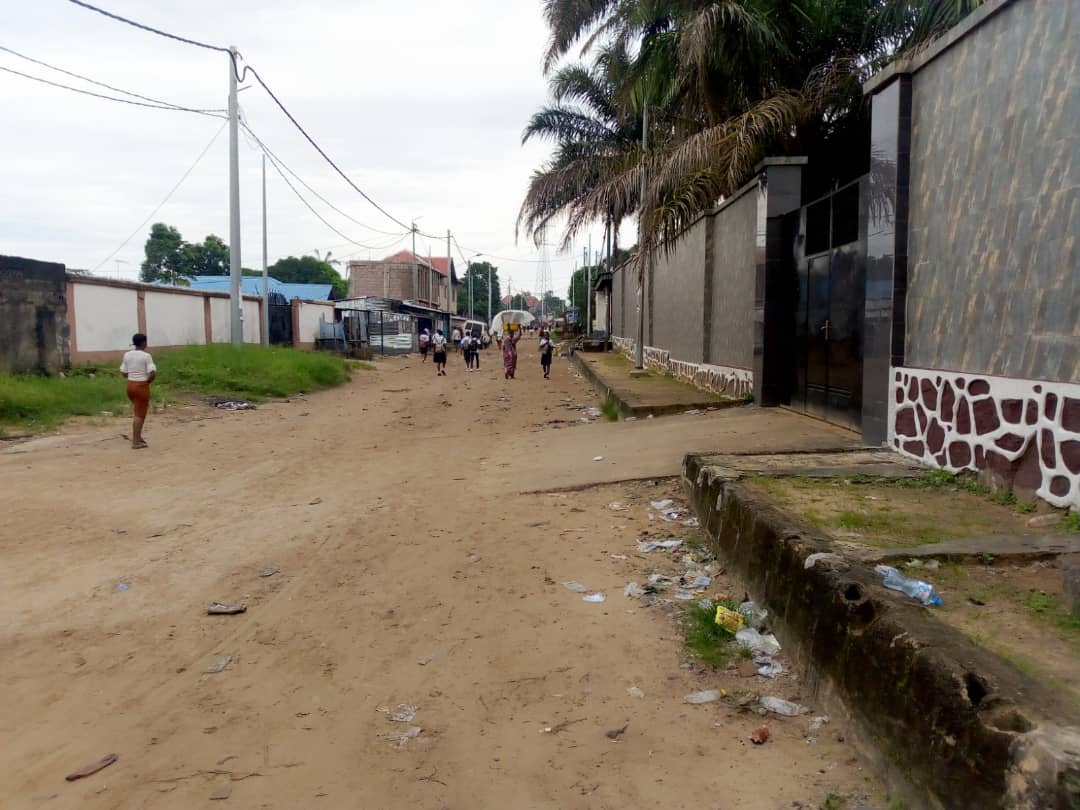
point(438, 344)
point(138, 366)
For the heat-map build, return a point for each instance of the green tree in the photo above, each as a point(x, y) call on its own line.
point(478, 272)
point(553, 305)
point(519, 301)
point(164, 256)
point(211, 258)
point(309, 270)
point(578, 286)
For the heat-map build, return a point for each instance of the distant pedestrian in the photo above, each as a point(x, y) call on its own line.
point(546, 348)
point(138, 366)
point(456, 334)
point(475, 345)
point(509, 350)
point(466, 350)
point(425, 343)
point(438, 344)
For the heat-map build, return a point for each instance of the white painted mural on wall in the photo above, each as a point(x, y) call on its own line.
point(1027, 430)
point(727, 381)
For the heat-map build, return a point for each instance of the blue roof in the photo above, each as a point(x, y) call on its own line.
point(252, 285)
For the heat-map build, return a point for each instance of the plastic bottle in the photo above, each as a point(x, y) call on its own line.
point(915, 588)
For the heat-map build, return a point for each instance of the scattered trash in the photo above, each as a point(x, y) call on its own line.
point(634, 692)
point(90, 770)
point(753, 615)
point(753, 640)
point(427, 659)
point(784, 707)
point(593, 597)
point(575, 586)
point(685, 595)
point(810, 561)
point(651, 416)
point(618, 556)
point(630, 419)
point(661, 505)
point(402, 713)
point(671, 515)
point(692, 523)
point(633, 591)
point(817, 722)
point(1039, 521)
point(915, 588)
point(693, 412)
point(759, 736)
point(598, 458)
point(314, 501)
point(728, 619)
point(595, 412)
point(234, 405)
point(769, 668)
point(931, 565)
point(658, 581)
point(269, 572)
point(976, 602)
point(646, 546)
point(615, 733)
point(615, 506)
point(122, 586)
point(706, 696)
point(218, 664)
point(221, 609)
point(221, 792)
point(401, 738)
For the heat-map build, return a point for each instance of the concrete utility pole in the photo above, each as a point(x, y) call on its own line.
point(449, 286)
point(639, 347)
point(415, 268)
point(588, 292)
point(236, 303)
point(489, 295)
point(266, 275)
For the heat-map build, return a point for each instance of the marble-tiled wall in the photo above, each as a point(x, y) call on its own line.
point(993, 283)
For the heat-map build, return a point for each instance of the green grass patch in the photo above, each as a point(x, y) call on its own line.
point(1049, 606)
point(1071, 522)
point(834, 801)
point(710, 642)
point(610, 408)
point(363, 365)
point(31, 402)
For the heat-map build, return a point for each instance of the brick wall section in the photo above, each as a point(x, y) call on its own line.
point(33, 316)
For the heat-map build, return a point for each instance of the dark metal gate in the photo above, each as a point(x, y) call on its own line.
point(830, 263)
point(280, 315)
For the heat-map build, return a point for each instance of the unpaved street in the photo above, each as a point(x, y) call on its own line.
point(422, 529)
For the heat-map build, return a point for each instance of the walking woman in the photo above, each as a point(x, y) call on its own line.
point(425, 339)
point(509, 350)
point(546, 347)
point(438, 344)
point(138, 366)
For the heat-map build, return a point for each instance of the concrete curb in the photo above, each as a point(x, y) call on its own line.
point(629, 409)
point(946, 723)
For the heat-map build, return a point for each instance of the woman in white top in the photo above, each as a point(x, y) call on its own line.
point(138, 366)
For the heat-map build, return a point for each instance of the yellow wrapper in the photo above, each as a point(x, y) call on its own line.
point(728, 619)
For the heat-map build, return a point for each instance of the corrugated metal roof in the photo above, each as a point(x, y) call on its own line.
point(252, 285)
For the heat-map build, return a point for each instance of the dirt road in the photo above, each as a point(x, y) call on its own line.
point(420, 554)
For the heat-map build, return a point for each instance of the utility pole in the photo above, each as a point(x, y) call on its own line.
point(415, 268)
point(588, 292)
point(236, 303)
point(266, 276)
point(639, 344)
point(470, 275)
point(449, 285)
point(489, 295)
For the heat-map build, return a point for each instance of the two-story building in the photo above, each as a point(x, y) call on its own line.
point(406, 277)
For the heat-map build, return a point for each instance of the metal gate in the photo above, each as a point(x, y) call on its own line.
point(830, 262)
point(280, 316)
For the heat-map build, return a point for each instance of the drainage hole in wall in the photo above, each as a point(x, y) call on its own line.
point(975, 687)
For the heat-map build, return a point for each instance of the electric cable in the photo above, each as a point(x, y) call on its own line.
point(155, 106)
point(103, 84)
point(168, 196)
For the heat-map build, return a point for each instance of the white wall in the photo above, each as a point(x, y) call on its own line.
point(105, 317)
point(174, 319)
point(219, 320)
point(310, 314)
point(252, 329)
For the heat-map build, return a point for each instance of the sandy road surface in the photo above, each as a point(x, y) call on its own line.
point(387, 559)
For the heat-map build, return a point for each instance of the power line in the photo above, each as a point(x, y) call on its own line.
point(157, 31)
point(270, 153)
point(269, 92)
point(168, 196)
point(320, 217)
point(164, 105)
point(103, 84)
point(493, 256)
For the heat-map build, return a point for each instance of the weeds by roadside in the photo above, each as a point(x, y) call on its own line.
point(610, 408)
point(710, 642)
point(33, 402)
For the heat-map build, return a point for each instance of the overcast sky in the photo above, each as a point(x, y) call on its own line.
point(421, 102)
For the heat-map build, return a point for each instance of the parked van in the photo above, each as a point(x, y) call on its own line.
point(478, 329)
